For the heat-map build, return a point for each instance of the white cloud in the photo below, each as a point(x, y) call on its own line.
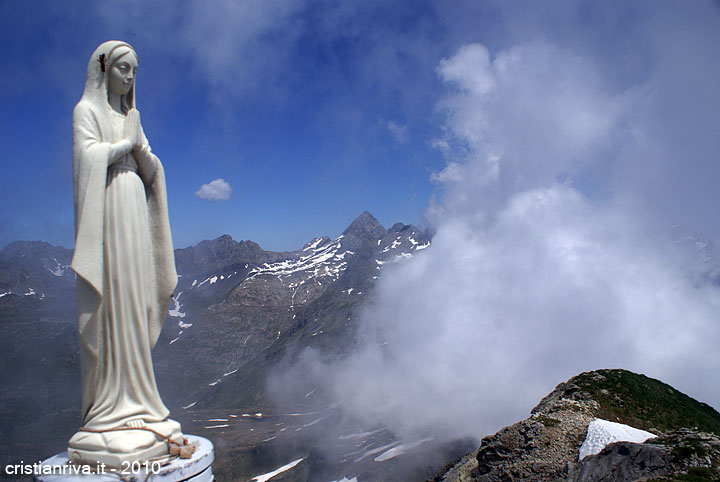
point(398, 131)
point(440, 144)
point(470, 334)
point(470, 68)
point(541, 266)
point(217, 190)
point(453, 172)
point(532, 114)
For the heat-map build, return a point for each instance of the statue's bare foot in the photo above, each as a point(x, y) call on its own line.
point(137, 423)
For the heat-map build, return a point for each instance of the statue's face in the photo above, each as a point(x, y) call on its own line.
point(122, 74)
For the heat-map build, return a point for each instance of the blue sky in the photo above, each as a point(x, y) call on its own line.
point(312, 111)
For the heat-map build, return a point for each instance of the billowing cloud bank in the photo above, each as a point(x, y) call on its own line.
point(552, 255)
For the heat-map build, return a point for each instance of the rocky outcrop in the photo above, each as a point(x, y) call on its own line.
point(545, 446)
point(684, 451)
point(624, 461)
point(542, 447)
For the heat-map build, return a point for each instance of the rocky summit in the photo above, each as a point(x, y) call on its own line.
point(546, 445)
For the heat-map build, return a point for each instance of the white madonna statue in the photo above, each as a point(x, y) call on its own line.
point(124, 264)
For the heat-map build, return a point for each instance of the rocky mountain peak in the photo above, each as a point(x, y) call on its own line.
point(366, 223)
point(400, 227)
point(210, 255)
point(364, 229)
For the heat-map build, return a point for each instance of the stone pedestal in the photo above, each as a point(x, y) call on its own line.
point(123, 447)
point(196, 469)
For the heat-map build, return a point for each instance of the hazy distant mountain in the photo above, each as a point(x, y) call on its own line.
point(36, 270)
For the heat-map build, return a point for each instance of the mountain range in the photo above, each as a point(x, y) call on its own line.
point(240, 314)
point(238, 311)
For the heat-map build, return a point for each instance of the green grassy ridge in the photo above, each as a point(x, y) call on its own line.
point(645, 403)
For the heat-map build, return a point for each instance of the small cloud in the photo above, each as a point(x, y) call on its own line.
point(398, 131)
point(217, 190)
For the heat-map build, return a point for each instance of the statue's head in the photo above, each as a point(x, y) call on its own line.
point(112, 69)
point(121, 70)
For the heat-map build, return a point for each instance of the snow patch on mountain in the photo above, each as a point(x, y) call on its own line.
point(376, 450)
point(175, 312)
point(602, 433)
point(313, 244)
point(270, 475)
point(400, 450)
point(179, 315)
point(361, 435)
point(213, 279)
point(321, 261)
point(58, 270)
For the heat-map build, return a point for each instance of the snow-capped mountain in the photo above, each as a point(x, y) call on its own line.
point(236, 303)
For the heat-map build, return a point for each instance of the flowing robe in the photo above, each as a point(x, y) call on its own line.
point(125, 266)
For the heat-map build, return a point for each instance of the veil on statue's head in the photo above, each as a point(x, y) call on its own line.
point(96, 82)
